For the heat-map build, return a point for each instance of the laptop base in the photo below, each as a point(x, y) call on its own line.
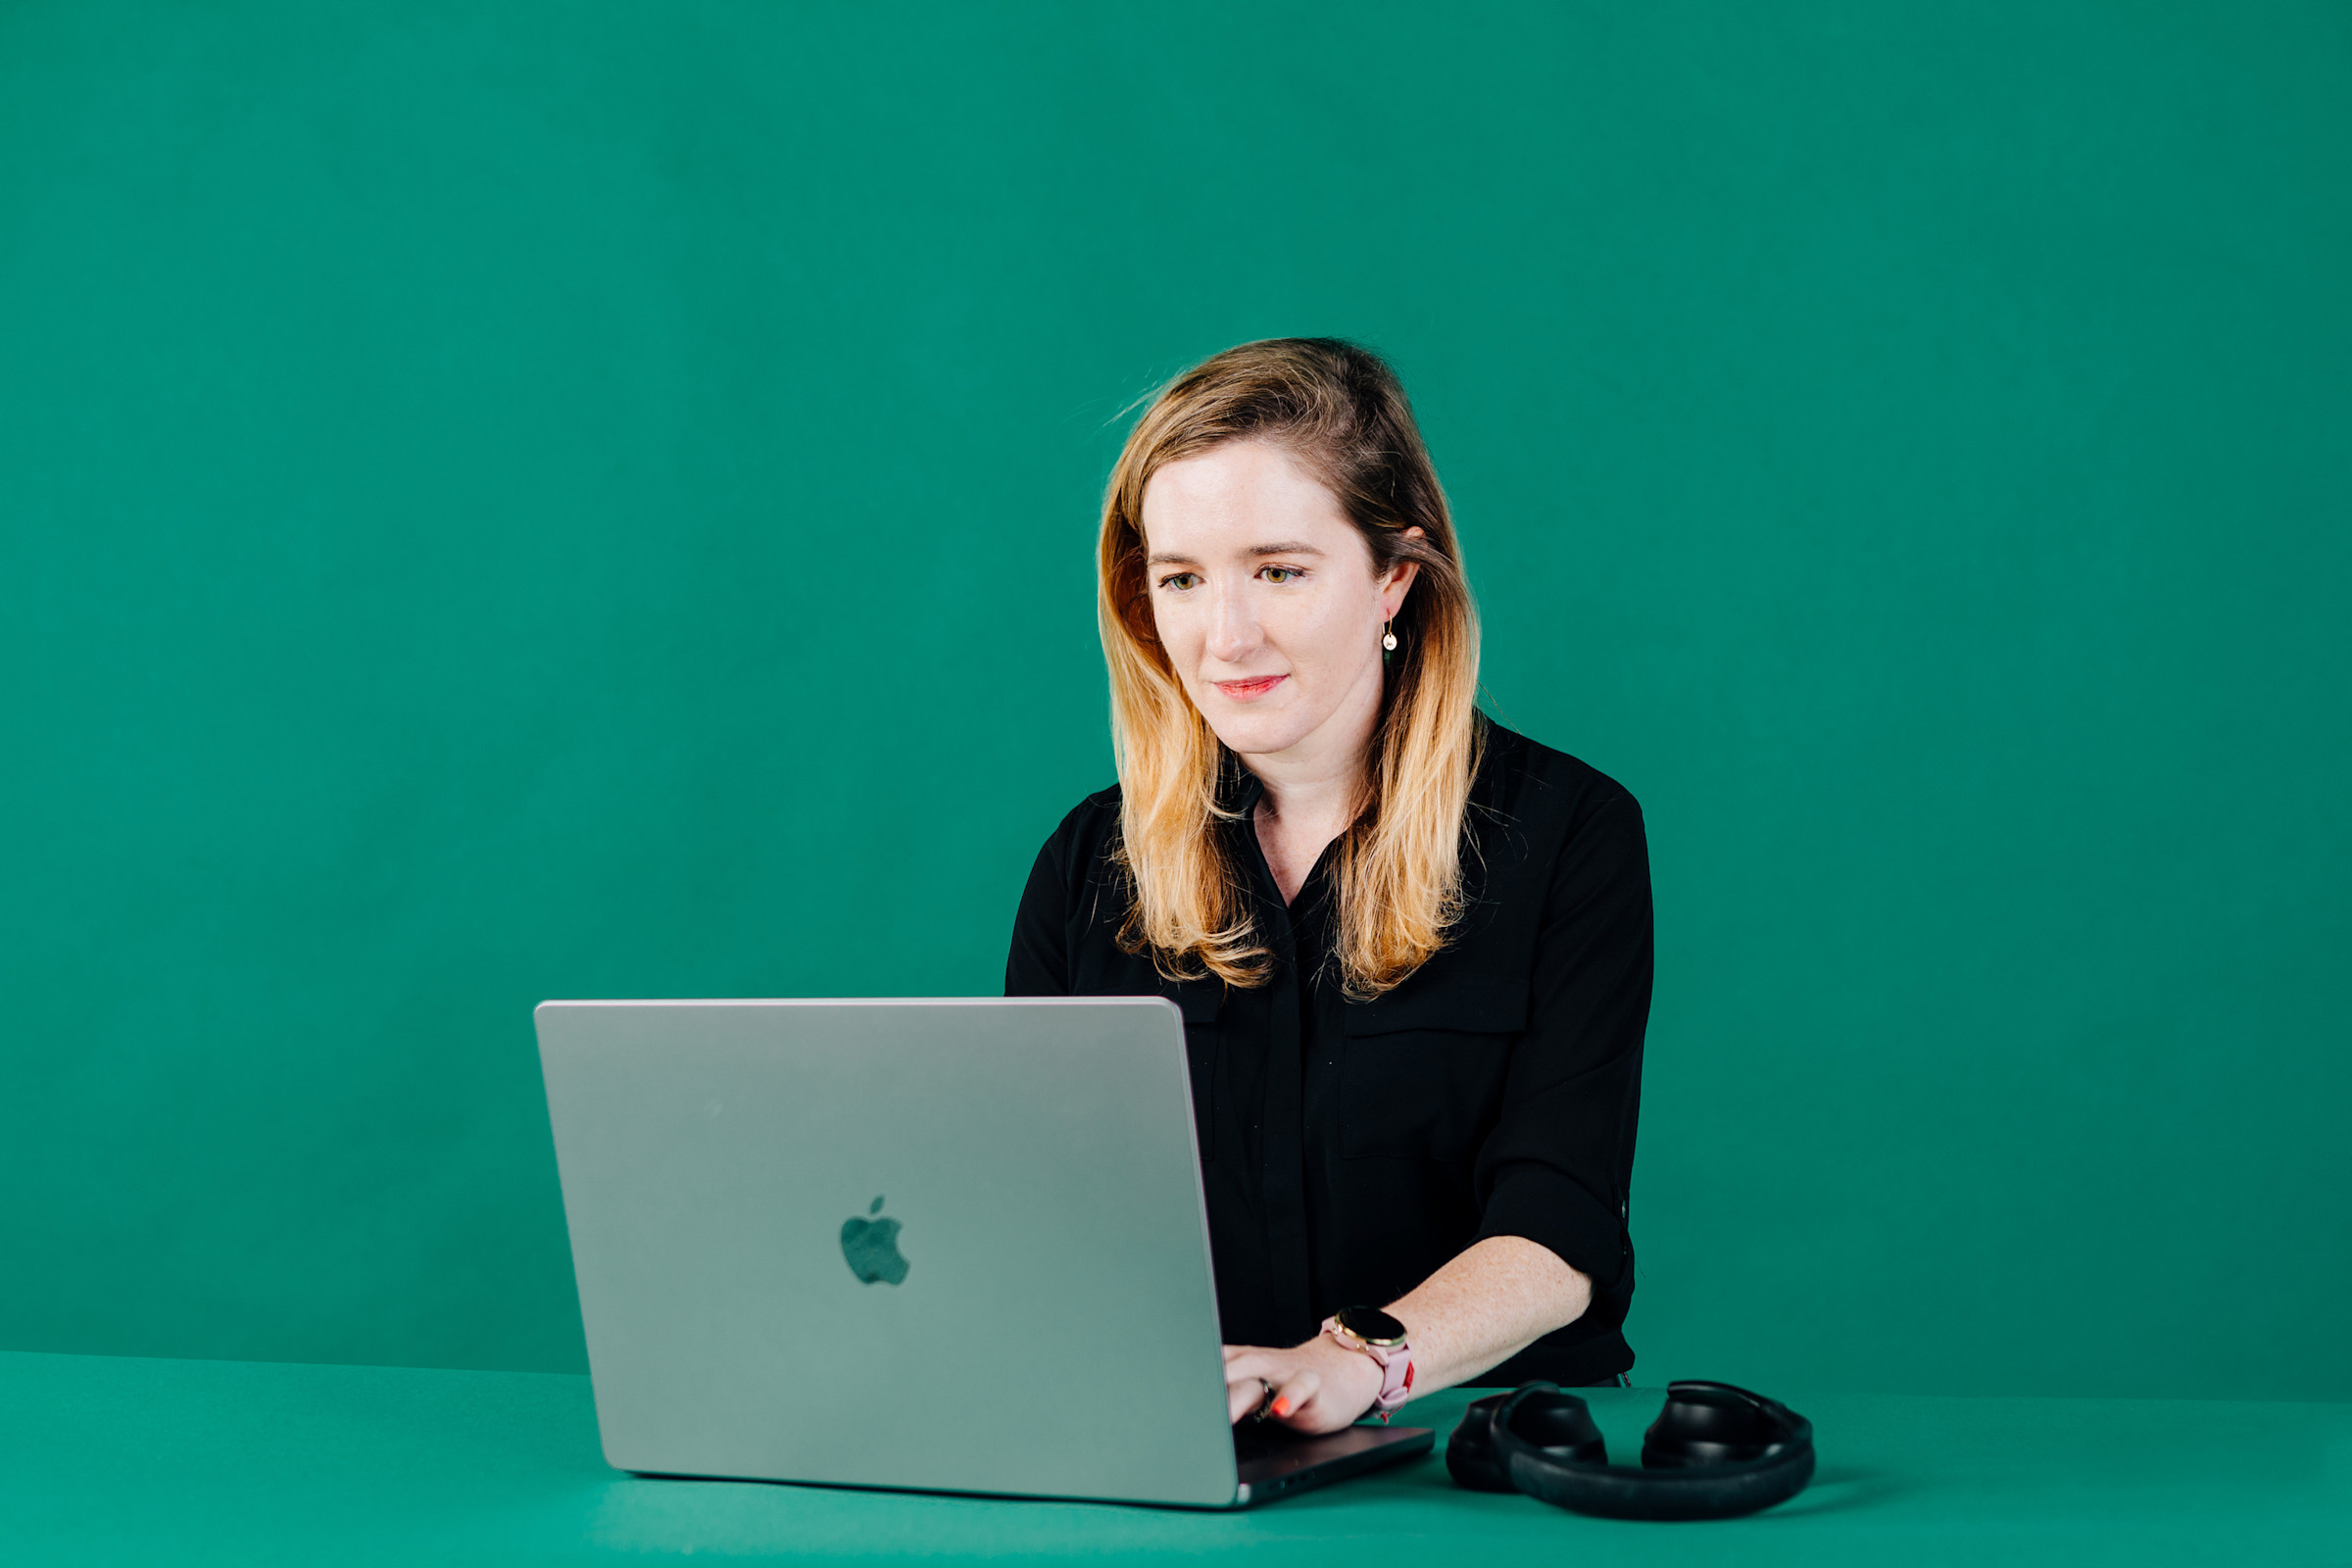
point(1275, 1464)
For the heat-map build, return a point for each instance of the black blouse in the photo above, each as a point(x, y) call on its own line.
point(1350, 1148)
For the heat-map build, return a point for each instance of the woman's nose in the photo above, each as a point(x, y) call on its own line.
point(1232, 633)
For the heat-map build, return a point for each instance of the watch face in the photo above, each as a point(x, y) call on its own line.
point(1370, 1324)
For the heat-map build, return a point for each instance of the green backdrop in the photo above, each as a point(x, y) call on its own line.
point(590, 499)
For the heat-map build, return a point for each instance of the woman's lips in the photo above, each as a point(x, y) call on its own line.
point(1249, 691)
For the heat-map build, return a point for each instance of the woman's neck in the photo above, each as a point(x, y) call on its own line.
point(1313, 793)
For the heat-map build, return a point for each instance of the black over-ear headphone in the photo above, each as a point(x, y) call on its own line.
point(1715, 1451)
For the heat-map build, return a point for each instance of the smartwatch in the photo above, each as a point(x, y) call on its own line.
point(1375, 1334)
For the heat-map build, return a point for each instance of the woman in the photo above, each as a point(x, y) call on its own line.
point(1412, 948)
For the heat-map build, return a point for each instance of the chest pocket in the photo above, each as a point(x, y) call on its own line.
point(1422, 1071)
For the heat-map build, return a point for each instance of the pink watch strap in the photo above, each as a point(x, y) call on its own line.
point(1395, 1363)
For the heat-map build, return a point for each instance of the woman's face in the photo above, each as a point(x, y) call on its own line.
point(1264, 596)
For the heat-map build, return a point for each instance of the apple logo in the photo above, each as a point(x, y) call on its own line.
point(872, 1248)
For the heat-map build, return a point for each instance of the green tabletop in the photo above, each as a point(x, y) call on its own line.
point(108, 1460)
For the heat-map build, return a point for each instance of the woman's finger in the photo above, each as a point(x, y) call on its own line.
point(1292, 1394)
point(1246, 1396)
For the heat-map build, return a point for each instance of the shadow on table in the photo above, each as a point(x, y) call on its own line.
point(1834, 1489)
point(1840, 1489)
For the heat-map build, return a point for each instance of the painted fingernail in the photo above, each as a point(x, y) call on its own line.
point(1282, 1407)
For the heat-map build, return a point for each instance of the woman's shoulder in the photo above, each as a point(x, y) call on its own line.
point(1543, 821)
point(1085, 829)
point(1528, 781)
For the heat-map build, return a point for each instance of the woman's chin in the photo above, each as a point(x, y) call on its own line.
point(1259, 734)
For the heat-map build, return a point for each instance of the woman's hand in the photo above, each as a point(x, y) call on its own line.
point(1320, 1386)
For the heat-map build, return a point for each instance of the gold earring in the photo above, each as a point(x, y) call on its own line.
point(1388, 638)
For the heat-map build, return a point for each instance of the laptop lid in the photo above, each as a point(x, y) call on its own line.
point(866, 1241)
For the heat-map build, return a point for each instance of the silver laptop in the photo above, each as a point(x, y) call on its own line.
point(952, 1246)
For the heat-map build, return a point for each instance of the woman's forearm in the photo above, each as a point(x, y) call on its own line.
point(1493, 1301)
point(1497, 1297)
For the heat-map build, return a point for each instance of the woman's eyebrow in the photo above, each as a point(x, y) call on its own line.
point(1168, 558)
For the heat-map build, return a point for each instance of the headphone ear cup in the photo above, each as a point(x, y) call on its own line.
point(1554, 1427)
point(1707, 1424)
point(1470, 1457)
point(1558, 1427)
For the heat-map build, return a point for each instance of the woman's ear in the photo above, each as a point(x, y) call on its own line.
point(1400, 582)
point(1398, 579)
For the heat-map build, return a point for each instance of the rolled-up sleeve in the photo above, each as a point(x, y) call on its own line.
point(1558, 1165)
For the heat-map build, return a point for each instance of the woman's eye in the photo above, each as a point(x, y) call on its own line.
point(1179, 580)
point(1279, 574)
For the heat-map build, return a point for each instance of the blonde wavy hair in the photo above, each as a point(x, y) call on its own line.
point(1339, 411)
